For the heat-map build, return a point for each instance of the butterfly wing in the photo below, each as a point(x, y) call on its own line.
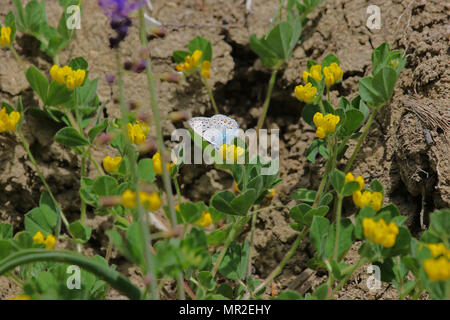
point(202, 126)
point(217, 130)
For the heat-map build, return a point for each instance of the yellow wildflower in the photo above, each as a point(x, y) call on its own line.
point(231, 153)
point(21, 297)
point(157, 164)
point(271, 193)
point(206, 66)
point(438, 249)
point(437, 269)
point(367, 198)
point(66, 75)
point(191, 63)
point(349, 178)
point(129, 199)
point(325, 124)
point(8, 122)
point(149, 201)
point(5, 36)
point(112, 164)
point(380, 232)
point(315, 72)
point(38, 237)
point(49, 241)
point(333, 73)
point(205, 220)
point(305, 93)
point(137, 132)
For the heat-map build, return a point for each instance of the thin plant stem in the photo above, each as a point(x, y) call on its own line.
point(262, 118)
point(149, 265)
point(345, 279)
point(160, 141)
point(280, 267)
point(252, 235)
point(210, 94)
point(14, 52)
point(39, 172)
point(361, 140)
point(338, 225)
point(83, 174)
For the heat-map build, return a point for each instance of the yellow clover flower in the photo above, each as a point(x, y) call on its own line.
point(5, 36)
point(66, 75)
point(206, 66)
point(325, 124)
point(157, 164)
point(367, 198)
point(271, 193)
point(380, 232)
point(349, 178)
point(49, 241)
point(149, 201)
point(137, 132)
point(305, 93)
point(333, 73)
point(112, 164)
point(191, 63)
point(438, 249)
point(205, 220)
point(8, 122)
point(437, 269)
point(231, 153)
point(315, 72)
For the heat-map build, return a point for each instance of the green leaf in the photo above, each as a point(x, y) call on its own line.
point(384, 82)
point(105, 186)
point(146, 171)
point(346, 238)
point(379, 57)
point(289, 295)
point(207, 280)
point(304, 195)
point(353, 120)
point(318, 233)
point(368, 93)
point(329, 59)
point(308, 113)
point(321, 292)
point(71, 138)
point(94, 132)
point(36, 220)
point(38, 82)
point(190, 212)
point(58, 94)
point(221, 201)
point(34, 15)
point(265, 53)
point(231, 262)
point(349, 188)
point(180, 55)
point(199, 43)
point(5, 249)
point(10, 21)
point(86, 92)
point(375, 185)
point(78, 63)
point(6, 231)
point(80, 231)
point(337, 178)
point(21, 20)
point(242, 203)
point(279, 39)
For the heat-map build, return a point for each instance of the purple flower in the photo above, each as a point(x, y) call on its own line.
point(118, 11)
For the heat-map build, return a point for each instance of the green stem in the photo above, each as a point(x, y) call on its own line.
point(159, 133)
point(345, 279)
point(210, 94)
point(83, 174)
point(361, 140)
point(149, 264)
point(115, 279)
point(252, 235)
point(14, 52)
point(280, 267)
point(338, 225)
point(39, 172)
point(268, 96)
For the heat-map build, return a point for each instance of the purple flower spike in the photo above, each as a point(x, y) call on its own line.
point(117, 11)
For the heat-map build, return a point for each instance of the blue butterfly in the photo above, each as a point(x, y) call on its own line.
point(217, 130)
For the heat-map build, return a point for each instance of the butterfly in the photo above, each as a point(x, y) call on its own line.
point(217, 130)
